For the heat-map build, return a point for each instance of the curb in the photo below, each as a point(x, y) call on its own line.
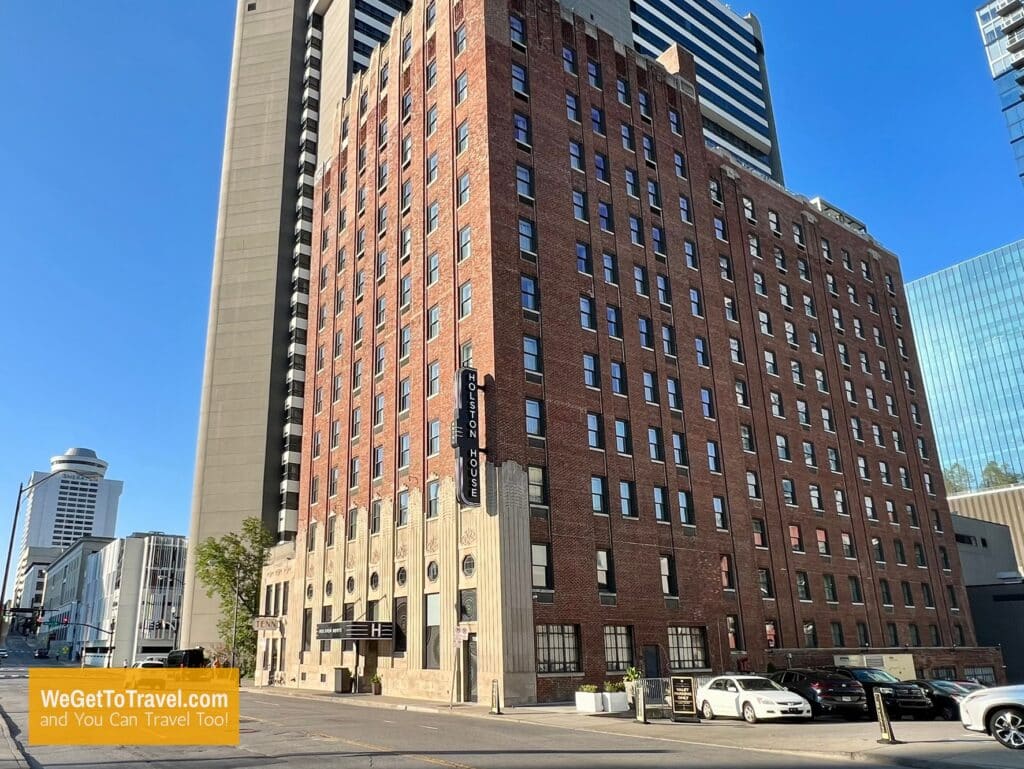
point(858, 756)
point(359, 703)
point(16, 756)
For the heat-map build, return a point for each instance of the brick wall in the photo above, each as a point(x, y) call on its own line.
point(497, 325)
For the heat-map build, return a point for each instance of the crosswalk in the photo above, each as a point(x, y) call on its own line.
point(13, 672)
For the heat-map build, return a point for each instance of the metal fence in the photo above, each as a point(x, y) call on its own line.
point(657, 692)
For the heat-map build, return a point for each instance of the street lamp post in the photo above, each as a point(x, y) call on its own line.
point(234, 616)
point(22, 488)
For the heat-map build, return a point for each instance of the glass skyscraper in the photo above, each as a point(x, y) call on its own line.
point(1002, 29)
point(728, 51)
point(968, 323)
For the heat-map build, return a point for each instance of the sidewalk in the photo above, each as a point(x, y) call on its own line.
point(10, 754)
point(927, 744)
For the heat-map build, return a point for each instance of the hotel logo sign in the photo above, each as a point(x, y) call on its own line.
point(466, 437)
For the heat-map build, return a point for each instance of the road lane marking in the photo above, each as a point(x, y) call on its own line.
point(371, 746)
point(435, 728)
point(396, 751)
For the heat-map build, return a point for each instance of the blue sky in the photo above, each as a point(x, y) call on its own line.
point(110, 162)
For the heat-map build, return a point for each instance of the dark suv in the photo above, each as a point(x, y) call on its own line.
point(901, 699)
point(828, 693)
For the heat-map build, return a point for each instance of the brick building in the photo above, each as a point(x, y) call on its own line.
point(706, 439)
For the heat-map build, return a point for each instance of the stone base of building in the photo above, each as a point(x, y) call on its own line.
point(434, 685)
point(984, 663)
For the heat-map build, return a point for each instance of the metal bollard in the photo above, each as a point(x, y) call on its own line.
point(641, 703)
point(495, 698)
point(884, 724)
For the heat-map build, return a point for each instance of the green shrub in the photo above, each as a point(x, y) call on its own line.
point(588, 688)
point(614, 686)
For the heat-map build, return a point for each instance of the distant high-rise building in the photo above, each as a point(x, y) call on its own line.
point(1002, 29)
point(291, 66)
point(969, 327)
point(77, 502)
point(728, 52)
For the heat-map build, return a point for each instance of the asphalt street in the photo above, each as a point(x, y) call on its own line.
point(285, 731)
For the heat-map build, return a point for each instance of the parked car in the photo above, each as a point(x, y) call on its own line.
point(828, 693)
point(945, 697)
point(998, 711)
point(751, 698)
point(900, 698)
point(186, 658)
point(41, 654)
point(971, 686)
point(148, 664)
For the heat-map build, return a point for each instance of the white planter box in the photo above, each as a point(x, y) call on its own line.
point(588, 702)
point(614, 702)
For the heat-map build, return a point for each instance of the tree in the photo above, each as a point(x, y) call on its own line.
point(230, 568)
point(958, 478)
point(994, 475)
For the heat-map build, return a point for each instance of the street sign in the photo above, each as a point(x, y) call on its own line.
point(466, 437)
point(355, 631)
point(461, 636)
point(266, 624)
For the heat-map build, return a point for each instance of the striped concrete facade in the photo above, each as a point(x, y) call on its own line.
point(1005, 506)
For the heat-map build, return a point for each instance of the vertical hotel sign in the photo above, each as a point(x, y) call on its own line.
point(466, 437)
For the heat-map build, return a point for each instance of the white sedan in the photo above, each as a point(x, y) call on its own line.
point(998, 711)
point(751, 698)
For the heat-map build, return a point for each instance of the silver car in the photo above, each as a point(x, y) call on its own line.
point(998, 711)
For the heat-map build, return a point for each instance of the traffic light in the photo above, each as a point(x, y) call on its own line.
point(65, 620)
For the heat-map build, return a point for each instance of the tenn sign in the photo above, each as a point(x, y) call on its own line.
point(466, 437)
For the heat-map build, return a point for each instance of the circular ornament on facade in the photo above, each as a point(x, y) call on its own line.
point(469, 566)
point(328, 588)
point(350, 584)
point(432, 571)
point(400, 576)
point(309, 590)
point(374, 581)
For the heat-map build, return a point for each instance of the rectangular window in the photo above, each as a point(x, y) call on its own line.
point(627, 499)
point(520, 81)
point(667, 566)
point(534, 418)
point(685, 503)
point(542, 572)
point(432, 631)
point(538, 486)
point(433, 499)
point(527, 237)
point(605, 571)
point(618, 647)
point(599, 494)
point(591, 371)
point(687, 648)
point(558, 649)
